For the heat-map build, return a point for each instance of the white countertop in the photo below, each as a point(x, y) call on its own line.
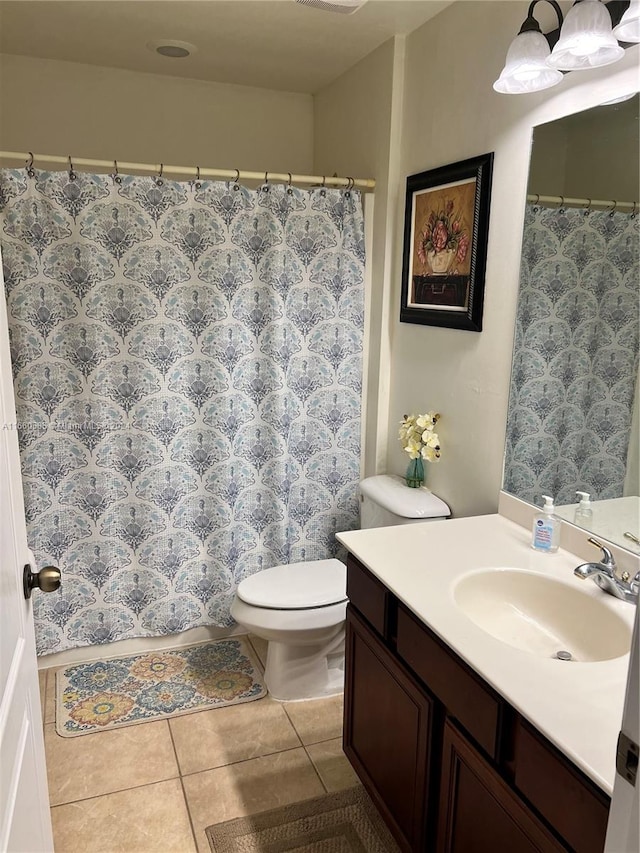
point(577, 706)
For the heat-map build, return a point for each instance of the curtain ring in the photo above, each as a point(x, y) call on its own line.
point(72, 174)
point(561, 208)
point(289, 190)
point(613, 209)
point(236, 185)
point(588, 210)
point(116, 176)
point(197, 181)
point(29, 167)
point(265, 186)
point(159, 181)
point(633, 212)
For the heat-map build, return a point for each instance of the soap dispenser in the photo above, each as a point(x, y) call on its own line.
point(584, 513)
point(546, 528)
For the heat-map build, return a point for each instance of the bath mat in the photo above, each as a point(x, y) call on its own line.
point(344, 822)
point(121, 691)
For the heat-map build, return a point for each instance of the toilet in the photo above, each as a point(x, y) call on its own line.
point(300, 608)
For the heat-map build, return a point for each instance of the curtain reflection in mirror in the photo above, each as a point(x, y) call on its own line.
point(573, 380)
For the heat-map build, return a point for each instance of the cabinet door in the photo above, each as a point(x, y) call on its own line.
point(387, 731)
point(479, 813)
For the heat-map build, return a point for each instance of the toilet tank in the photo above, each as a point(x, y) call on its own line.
point(386, 500)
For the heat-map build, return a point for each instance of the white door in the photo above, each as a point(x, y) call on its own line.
point(25, 822)
point(623, 830)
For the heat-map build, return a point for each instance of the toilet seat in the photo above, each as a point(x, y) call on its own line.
point(296, 586)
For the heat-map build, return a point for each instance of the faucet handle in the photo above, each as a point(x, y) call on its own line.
point(606, 559)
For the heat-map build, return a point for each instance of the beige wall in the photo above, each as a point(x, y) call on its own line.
point(66, 108)
point(451, 113)
point(356, 132)
point(415, 104)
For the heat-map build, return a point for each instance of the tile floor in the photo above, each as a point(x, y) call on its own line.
point(154, 787)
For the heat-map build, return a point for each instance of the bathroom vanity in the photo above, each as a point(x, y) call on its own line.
point(467, 741)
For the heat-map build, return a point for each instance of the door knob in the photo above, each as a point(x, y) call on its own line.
point(47, 579)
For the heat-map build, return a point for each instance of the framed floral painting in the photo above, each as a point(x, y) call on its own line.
point(445, 245)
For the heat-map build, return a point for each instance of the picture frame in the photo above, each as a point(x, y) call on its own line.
point(446, 226)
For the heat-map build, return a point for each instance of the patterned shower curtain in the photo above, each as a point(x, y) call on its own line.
point(187, 361)
point(575, 355)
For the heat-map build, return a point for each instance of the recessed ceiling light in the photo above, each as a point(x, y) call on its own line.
point(172, 48)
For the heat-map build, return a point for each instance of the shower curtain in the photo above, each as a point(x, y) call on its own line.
point(575, 355)
point(187, 362)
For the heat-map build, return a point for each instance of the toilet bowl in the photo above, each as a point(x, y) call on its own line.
point(300, 608)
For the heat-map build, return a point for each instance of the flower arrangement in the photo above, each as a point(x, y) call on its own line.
point(420, 440)
point(418, 436)
point(443, 232)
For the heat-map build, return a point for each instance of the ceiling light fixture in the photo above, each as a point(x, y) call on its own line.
point(583, 40)
point(629, 27)
point(344, 7)
point(172, 48)
point(526, 68)
point(586, 39)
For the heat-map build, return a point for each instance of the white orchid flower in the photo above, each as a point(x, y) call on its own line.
point(430, 439)
point(413, 448)
point(430, 454)
point(418, 437)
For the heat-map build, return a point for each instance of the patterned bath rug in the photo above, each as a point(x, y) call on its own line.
point(343, 822)
point(109, 694)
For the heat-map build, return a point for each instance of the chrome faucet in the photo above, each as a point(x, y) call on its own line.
point(604, 574)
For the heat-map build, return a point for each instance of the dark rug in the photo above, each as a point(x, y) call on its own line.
point(344, 822)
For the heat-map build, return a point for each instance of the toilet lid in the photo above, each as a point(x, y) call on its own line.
point(296, 586)
point(391, 493)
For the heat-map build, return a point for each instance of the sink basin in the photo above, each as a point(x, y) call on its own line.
point(541, 615)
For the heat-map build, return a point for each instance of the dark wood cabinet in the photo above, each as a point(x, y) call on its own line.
point(388, 730)
point(450, 765)
point(478, 811)
point(558, 791)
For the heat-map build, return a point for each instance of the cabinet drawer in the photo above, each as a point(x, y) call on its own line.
point(462, 693)
point(572, 804)
point(368, 595)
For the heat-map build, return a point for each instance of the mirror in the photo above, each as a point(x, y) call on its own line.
point(573, 421)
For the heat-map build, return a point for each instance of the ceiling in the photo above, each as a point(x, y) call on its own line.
point(273, 44)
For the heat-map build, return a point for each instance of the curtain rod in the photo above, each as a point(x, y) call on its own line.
point(589, 203)
point(194, 172)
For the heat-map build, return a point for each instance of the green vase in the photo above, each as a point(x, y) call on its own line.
point(415, 473)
